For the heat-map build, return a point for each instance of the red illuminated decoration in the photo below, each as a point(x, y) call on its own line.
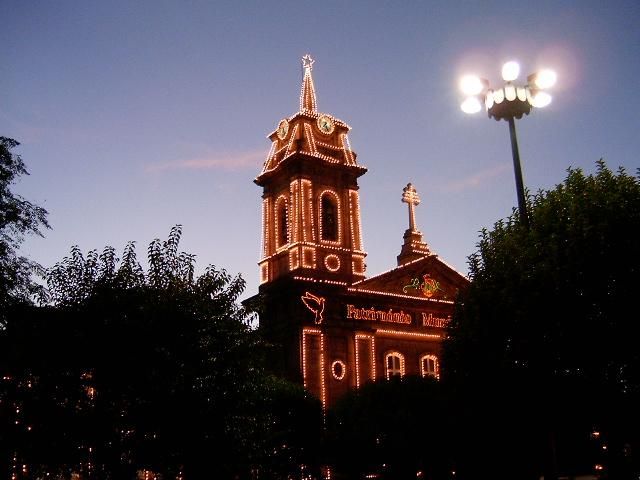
point(338, 369)
point(428, 287)
point(430, 320)
point(315, 304)
point(429, 366)
point(378, 315)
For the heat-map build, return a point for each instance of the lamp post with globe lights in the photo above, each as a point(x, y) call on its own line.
point(509, 102)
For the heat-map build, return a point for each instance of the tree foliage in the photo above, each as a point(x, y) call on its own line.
point(289, 444)
point(131, 369)
point(396, 429)
point(545, 325)
point(18, 217)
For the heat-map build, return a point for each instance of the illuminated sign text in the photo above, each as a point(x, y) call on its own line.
point(379, 315)
point(428, 320)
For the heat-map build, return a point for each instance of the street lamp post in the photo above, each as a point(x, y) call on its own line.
point(522, 204)
point(508, 103)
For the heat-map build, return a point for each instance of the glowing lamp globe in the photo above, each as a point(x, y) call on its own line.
point(509, 102)
point(541, 99)
point(510, 71)
point(471, 85)
point(471, 105)
point(545, 78)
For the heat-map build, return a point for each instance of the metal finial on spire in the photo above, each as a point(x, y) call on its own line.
point(308, 91)
point(410, 197)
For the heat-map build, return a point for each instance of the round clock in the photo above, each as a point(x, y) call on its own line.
point(283, 129)
point(325, 124)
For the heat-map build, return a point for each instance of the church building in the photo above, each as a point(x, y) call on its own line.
point(336, 328)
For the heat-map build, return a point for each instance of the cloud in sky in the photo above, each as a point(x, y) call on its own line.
point(481, 178)
point(230, 161)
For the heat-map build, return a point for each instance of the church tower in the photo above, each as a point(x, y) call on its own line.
point(332, 329)
point(310, 205)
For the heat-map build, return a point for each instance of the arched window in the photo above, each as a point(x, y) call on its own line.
point(282, 223)
point(429, 366)
point(394, 365)
point(329, 218)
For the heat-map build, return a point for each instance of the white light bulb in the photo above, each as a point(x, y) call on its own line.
point(546, 78)
point(510, 71)
point(488, 100)
point(510, 92)
point(471, 85)
point(541, 99)
point(471, 105)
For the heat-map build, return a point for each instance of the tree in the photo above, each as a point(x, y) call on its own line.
point(396, 429)
point(543, 340)
point(18, 217)
point(131, 370)
point(289, 444)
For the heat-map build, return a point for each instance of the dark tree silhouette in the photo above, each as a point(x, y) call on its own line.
point(290, 444)
point(397, 429)
point(132, 369)
point(18, 217)
point(542, 347)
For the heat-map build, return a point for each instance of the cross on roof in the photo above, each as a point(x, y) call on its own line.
point(411, 198)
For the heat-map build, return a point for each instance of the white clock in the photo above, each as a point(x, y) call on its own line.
point(326, 124)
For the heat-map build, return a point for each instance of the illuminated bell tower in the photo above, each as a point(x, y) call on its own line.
point(310, 206)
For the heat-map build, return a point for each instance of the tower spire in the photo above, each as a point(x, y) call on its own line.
point(308, 91)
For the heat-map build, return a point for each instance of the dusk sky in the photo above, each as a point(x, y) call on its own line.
point(134, 116)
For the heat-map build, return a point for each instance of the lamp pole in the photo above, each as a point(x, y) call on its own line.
point(522, 204)
point(509, 102)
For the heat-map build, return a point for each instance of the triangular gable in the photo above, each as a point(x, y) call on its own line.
point(424, 278)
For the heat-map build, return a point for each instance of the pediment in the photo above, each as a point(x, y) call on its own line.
point(424, 278)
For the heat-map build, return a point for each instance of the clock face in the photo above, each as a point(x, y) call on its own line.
point(283, 129)
point(325, 124)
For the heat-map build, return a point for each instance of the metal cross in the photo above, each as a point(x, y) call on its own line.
point(410, 197)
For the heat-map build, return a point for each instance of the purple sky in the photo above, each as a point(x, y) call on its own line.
point(135, 116)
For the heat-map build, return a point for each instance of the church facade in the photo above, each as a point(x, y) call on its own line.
point(335, 328)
